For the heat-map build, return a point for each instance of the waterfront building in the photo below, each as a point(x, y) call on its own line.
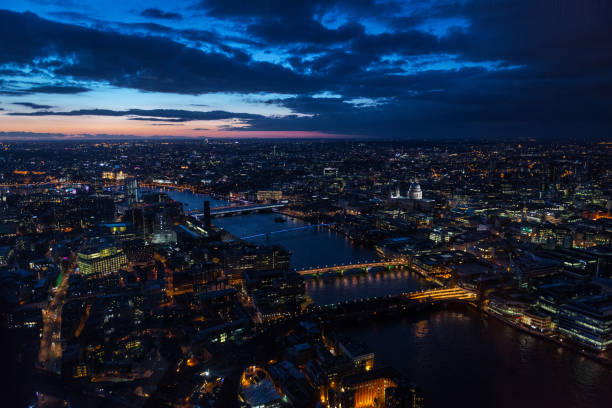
point(509, 304)
point(367, 389)
point(269, 195)
point(552, 296)
point(110, 175)
point(207, 217)
point(537, 320)
point(359, 353)
point(276, 293)
point(404, 396)
point(588, 321)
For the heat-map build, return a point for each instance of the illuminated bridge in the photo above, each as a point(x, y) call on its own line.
point(388, 306)
point(235, 210)
point(383, 306)
point(432, 295)
point(344, 267)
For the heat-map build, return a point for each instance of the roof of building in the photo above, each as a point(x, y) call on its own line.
point(260, 393)
point(597, 306)
point(355, 349)
point(385, 372)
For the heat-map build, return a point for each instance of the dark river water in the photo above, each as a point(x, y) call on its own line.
point(191, 201)
point(463, 358)
point(457, 356)
point(311, 247)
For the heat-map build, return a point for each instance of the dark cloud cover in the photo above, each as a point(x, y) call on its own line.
point(165, 115)
point(56, 89)
point(542, 67)
point(33, 105)
point(157, 13)
point(151, 64)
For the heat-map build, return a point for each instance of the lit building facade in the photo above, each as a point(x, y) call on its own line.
point(101, 260)
point(588, 321)
point(365, 390)
point(269, 195)
point(415, 192)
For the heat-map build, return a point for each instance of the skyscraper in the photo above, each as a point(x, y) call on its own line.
point(131, 191)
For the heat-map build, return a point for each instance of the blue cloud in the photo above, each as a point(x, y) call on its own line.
point(394, 68)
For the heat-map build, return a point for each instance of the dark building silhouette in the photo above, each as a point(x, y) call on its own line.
point(207, 221)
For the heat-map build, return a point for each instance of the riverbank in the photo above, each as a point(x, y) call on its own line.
point(604, 358)
point(332, 227)
point(482, 362)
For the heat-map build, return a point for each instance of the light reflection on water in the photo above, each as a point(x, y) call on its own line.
point(339, 289)
point(460, 358)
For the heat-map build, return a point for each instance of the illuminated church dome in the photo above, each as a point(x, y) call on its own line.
point(415, 192)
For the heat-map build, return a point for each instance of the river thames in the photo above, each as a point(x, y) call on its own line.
point(458, 356)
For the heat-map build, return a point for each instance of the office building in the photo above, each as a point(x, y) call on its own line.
point(101, 259)
point(588, 321)
point(269, 195)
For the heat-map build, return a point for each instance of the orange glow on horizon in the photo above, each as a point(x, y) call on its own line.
point(79, 126)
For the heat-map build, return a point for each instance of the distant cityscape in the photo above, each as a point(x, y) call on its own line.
point(222, 273)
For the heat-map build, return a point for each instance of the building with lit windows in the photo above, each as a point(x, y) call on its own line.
point(80, 371)
point(367, 389)
point(239, 258)
point(588, 321)
point(269, 195)
point(537, 320)
point(131, 191)
point(101, 258)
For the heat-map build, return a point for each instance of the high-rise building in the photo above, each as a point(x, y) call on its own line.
point(131, 191)
point(163, 233)
point(207, 219)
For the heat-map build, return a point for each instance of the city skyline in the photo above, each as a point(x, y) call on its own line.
point(306, 274)
point(322, 69)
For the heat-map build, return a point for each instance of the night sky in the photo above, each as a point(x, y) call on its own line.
point(424, 69)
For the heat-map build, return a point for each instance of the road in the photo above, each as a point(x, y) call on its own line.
point(50, 353)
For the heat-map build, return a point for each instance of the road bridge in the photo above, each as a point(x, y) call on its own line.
point(235, 209)
point(381, 306)
point(440, 294)
point(344, 267)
